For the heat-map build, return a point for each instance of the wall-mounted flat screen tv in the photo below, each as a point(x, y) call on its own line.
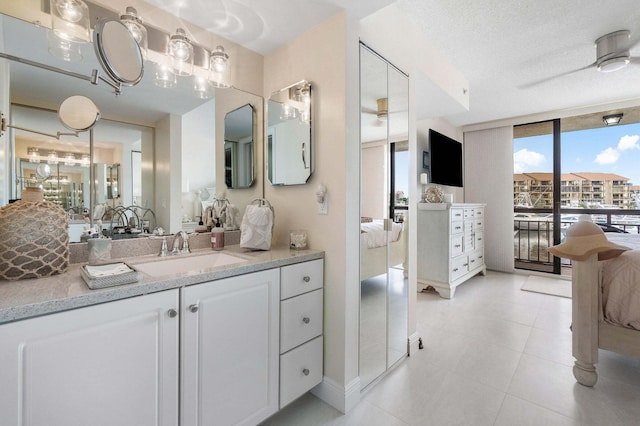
point(446, 159)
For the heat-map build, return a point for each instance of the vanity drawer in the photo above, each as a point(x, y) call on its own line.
point(457, 214)
point(300, 319)
point(300, 370)
point(300, 278)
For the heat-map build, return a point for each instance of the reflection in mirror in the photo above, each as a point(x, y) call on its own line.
point(148, 167)
point(239, 130)
point(289, 148)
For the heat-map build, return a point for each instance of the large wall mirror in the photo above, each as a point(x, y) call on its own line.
point(289, 150)
point(139, 131)
point(239, 135)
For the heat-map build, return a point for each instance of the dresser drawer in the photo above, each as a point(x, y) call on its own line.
point(300, 278)
point(469, 213)
point(478, 223)
point(456, 245)
point(459, 267)
point(457, 214)
point(457, 227)
point(479, 243)
point(300, 319)
point(476, 260)
point(300, 370)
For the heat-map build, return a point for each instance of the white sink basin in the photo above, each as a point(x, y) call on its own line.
point(180, 265)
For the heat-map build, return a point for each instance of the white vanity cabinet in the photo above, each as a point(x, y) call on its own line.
point(229, 355)
point(450, 245)
point(109, 364)
point(301, 342)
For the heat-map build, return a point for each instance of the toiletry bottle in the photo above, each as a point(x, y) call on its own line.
point(217, 237)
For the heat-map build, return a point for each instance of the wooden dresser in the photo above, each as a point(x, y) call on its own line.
point(450, 245)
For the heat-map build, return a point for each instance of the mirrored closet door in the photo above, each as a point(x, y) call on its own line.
point(383, 235)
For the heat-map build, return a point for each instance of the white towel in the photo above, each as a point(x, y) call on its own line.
point(255, 231)
point(107, 270)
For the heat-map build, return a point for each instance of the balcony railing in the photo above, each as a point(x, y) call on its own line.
point(533, 230)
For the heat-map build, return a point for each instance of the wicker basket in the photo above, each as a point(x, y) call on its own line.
point(34, 240)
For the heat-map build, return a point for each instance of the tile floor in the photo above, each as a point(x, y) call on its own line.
point(494, 355)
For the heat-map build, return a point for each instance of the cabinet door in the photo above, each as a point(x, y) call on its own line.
point(230, 350)
point(109, 364)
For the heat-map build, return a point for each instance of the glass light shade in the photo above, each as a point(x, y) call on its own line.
point(66, 50)
point(288, 112)
point(85, 160)
point(69, 159)
point(133, 22)
point(220, 68)
point(202, 87)
point(165, 77)
point(52, 158)
point(34, 155)
point(181, 53)
point(70, 20)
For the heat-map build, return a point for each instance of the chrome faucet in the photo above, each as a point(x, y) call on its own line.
point(184, 238)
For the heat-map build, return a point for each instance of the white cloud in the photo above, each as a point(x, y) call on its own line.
point(628, 142)
point(524, 159)
point(608, 156)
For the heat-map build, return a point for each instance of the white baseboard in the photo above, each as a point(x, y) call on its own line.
point(414, 341)
point(341, 398)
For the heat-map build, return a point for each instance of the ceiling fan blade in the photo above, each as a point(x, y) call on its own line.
point(547, 79)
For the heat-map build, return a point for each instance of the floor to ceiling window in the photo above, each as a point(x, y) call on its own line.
point(569, 167)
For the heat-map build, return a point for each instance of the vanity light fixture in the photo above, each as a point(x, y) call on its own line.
point(52, 157)
point(612, 120)
point(180, 51)
point(288, 112)
point(69, 159)
point(85, 160)
point(203, 87)
point(165, 77)
point(383, 109)
point(34, 155)
point(70, 20)
point(133, 22)
point(220, 68)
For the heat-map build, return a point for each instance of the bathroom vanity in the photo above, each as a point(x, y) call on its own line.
point(223, 345)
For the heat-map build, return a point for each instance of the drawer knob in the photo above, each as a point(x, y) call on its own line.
point(172, 313)
point(305, 371)
point(306, 320)
point(306, 279)
point(193, 308)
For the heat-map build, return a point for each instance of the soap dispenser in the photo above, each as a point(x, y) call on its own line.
point(217, 236)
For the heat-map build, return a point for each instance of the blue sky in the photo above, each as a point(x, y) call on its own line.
point(614, 149)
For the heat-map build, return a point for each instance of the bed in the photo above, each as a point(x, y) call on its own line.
point(606, 307)
point(373, 254)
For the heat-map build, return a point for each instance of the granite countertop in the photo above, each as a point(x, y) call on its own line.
point(39, 296)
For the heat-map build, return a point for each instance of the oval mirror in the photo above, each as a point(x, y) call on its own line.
point(78, 113)
point(289, 135)
point(238, 147)
point(118, 52)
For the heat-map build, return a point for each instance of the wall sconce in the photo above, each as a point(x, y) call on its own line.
point(383, 109)
point(321, 199)
point(612, 120)
point(424, 181)
point(69, 159)
point(180, 51)
point(220, 68)
point(133, 22)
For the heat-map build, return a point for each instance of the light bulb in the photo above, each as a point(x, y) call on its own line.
point(133, 22)
point(181, 52)
point(165, 77)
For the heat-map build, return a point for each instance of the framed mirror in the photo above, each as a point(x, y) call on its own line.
point(289, 135)
point(239, 136)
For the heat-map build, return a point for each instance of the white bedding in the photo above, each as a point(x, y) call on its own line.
point(374, 235)
point(621, 289)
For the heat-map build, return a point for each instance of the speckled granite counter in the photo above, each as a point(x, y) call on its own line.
point(28, 298)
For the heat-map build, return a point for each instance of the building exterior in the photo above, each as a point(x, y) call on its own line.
point(580, 189)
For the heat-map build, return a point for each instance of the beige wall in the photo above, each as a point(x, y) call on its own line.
point(319, 56)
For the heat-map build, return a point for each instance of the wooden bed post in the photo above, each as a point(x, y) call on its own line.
point(585, 315)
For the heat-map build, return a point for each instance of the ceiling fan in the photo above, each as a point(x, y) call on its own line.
point(612, 54)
